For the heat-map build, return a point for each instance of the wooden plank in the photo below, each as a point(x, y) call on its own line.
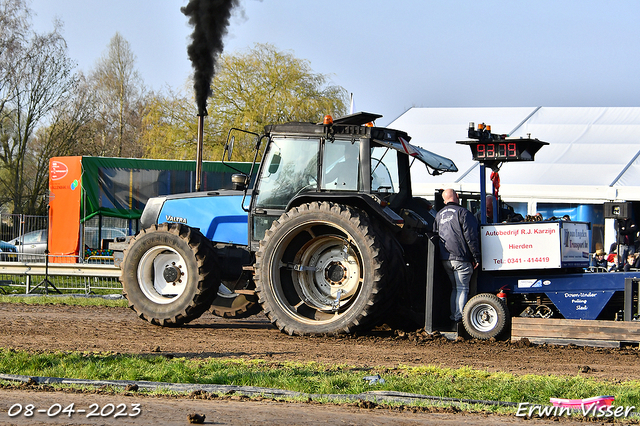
point(574, 330)
point(578, 342)
point(570, 332)
point(576, 334)
point(633, 326)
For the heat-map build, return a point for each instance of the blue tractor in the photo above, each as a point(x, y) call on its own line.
point(325, 237)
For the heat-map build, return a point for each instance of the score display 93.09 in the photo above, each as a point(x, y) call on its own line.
point(495, 151)
point(491, 148)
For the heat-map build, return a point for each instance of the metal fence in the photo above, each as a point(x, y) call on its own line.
point(29, 236)
point(14, 225)
point(27, 270)
point(58, 278)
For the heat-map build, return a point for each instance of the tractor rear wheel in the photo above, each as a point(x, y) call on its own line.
point(169, 274)
point(322, 269)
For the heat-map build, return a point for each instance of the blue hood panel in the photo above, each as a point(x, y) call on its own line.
point(220, 218)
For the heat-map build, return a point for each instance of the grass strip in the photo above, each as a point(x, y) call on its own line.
point(315, 378)
point(65, 300)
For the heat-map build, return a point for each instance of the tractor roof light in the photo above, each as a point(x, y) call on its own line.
point(328, 120)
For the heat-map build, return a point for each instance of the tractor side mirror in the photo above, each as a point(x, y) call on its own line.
point(239, 181)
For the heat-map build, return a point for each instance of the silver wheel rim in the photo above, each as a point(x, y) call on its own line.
point(330, 275)
point(483, 317)
point(162, 274)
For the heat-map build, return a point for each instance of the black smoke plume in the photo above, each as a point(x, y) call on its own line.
point(209, 19)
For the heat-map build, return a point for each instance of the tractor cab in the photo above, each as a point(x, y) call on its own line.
point(346, 160)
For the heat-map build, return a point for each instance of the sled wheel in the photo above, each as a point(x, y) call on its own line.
point(485, 316)
point(228, 304)
point(321, 269)
point(169, 274)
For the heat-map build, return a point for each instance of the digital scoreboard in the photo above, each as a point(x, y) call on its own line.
point(496, 148)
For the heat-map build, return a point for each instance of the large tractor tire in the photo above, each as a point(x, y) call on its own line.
point(485, 316)
point(228, 304)
point(322, 269)
point(169, 274)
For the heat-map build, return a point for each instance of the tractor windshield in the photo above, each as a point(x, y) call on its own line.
point(290, 167)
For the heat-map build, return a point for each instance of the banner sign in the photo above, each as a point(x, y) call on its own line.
point(585, 305)
point(65, 175)
point(534, 245)
point(576, 238)
point(530, 245)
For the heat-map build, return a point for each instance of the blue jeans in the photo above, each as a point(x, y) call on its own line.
point(459, 273)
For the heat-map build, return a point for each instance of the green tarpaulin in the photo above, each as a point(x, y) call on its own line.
point(120, 187)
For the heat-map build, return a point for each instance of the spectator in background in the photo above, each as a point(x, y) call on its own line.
point(566, 218)
point(598, 259)
point(633, 262)
point(627, 234)
point(612, 262)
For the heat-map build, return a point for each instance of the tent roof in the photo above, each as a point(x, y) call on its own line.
point(594, 147)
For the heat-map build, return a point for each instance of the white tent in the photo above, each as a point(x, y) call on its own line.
point(592, 154)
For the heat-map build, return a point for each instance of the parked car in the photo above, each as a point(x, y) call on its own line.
point(5, 251)
point(7, 247)
point(91, 235)
point(34, 242)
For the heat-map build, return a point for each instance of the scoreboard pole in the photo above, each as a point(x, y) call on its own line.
point(483, 194)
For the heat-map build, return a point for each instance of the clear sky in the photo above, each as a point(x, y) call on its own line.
point(393, 55)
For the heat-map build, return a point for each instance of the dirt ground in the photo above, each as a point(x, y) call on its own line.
point(72, 328)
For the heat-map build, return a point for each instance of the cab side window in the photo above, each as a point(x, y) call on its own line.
point(341, 165)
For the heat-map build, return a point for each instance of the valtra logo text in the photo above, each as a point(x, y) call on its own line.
point(58, 170)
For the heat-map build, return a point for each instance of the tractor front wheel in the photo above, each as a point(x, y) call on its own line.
point(169, 274)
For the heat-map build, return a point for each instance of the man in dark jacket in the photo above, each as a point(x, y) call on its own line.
point(459, 248)
point(627, 234)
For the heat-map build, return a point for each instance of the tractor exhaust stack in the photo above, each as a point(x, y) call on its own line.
point(199, 148)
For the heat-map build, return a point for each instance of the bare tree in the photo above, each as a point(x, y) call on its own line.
point(121, 104)
point(14, 25)
point(41, 78)
point(69, 127)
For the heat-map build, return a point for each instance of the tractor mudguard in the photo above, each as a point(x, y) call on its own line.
point(362, 201)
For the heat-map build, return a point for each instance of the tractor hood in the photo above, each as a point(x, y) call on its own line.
point(217, 214)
